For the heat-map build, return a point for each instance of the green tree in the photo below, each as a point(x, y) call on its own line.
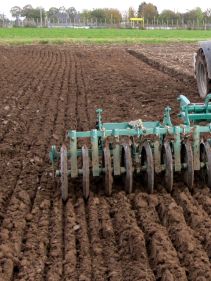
point(131, 12)
point(148, 11)
point(3, 20)
point(98, 15)
point(16, 12)
point(207, 15)
point(141, 9)
point(199, 14)
point(85, 15)
point(53, 14)
point(62, 15)
point(31, 13)
point(194, 15)
point(113, 16)
point(27, 12)
point(72, 13)
point(168, 15)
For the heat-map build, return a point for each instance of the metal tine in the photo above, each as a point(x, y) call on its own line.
point(187, 163)
point(86, 172)
point(116, 158)
point(95, 153)
point(167, 160)
point(64, 172)
point(108, 170)
point(148, 161)
point(128, 176)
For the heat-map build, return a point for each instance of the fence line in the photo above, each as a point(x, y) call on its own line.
point(93, 23)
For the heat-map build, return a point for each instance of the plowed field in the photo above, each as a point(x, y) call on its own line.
point(46, 90)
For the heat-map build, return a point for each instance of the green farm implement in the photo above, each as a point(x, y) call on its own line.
point(139, 147)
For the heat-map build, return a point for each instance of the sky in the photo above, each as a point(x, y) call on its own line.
point(122, 5)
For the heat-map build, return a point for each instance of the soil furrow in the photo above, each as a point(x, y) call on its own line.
point(110, 248)
point(34, 251)
point(99, 269)
point(163, 256)
point(29, 141)
point(54, 265)
point(130, 240)
point(81, 109)
point(14, 222)
point(12, 147)
point(172, 72)
point(203, 197)
point(196, 218)
point(71, 227)
point(84, 260)
point(72, 105)
point(61, 254)
point(21, 227)
point(24, 95)
point(48, 127)
point(190, 251)
point(46, 90)
point(84, 92)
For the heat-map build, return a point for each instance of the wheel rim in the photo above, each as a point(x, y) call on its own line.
point(147, 160)
point(129, 169)
point(85, 159)
point(168, 162)
point(64, 173)
point(205, 157)
point(108, 171)
point(187, 158)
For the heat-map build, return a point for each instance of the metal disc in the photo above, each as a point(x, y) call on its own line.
point(85, 159)
point(168, 162)
point(205, 157)
point(64, 174)
point(187, 158)
point(129, 169)
point(108, 171)
point(147, 161)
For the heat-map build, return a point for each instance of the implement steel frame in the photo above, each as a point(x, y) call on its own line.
point(152, 131)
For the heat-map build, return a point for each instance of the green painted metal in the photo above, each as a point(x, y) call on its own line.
point(194, 111)
point(73, 154)
point(135, 133)
point(177, 148)
point(196, 148)
point(167, 117)
point(95, 154)
point(157, 156)
point(117, 157)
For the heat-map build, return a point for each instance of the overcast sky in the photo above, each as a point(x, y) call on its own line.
point(122, 5)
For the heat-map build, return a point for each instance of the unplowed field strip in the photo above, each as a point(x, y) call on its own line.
point(46, 90)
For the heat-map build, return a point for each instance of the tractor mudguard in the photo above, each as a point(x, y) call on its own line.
point(206, 47)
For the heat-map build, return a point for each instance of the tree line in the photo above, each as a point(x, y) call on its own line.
point(63, 14)
point(150, 11)
point(109, 16)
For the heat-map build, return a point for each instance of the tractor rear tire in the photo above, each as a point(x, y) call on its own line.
point(203, 82)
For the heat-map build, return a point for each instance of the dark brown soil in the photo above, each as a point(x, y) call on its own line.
point(46, 90)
